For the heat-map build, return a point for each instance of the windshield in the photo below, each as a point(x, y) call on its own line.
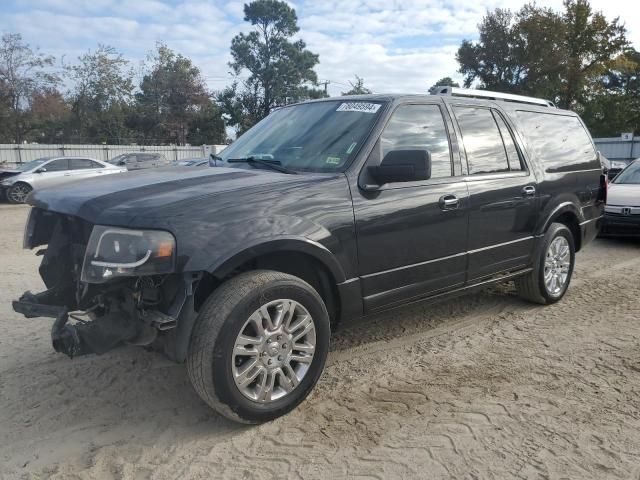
point(316, 137)
point(630, 175)
point(25, 167)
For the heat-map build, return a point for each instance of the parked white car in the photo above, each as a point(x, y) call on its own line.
point(44, 172)
point(622, 213)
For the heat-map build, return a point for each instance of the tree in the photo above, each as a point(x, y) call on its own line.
point(23, 73)
point(543, 53)
point(614, 103)
point(50, 117)
point(206, 127)
point(101, 95)
point(591, 44)
point(279, 68)
point(172, 95)
point(357, 87)
point(445, 82)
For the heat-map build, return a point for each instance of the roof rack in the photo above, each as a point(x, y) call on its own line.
point(508, 97)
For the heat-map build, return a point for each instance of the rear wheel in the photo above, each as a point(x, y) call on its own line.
point(18, 192)
point(553, 268)
point(259, 346)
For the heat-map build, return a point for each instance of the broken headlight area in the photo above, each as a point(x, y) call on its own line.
point(120, 252)
point(106, 286)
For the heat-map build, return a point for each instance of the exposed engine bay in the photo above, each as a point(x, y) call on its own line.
point(99, 303)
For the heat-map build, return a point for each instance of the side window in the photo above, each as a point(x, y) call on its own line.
point(96, 164)
point(513, 155)
point(482, 140)
point(59, 165)
point(419, 127)
point(560, 142)
point(80, 163)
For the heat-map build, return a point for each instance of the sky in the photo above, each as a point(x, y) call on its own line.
point(395, 45)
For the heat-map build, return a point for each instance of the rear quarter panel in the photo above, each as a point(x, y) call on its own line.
point(568, 177)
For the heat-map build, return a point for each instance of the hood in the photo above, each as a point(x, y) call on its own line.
point(120, 198)
point(8, 172)
point(627, 195)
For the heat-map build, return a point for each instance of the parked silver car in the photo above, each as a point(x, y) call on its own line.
point(43, 172)
point(622, 213)
point(140, 160)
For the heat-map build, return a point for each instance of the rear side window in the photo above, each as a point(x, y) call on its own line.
point(559, 141)
point(482, 140)
point(419, 127)
point(83, 163)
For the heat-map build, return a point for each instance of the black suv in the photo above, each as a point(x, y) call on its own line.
point(324, 211)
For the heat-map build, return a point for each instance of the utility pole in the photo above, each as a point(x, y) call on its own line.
point(325, 83)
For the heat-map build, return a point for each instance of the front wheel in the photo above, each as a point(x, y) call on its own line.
point(18, 192)
point(552, 270)
point(259, 346)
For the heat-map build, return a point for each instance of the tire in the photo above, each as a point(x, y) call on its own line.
point(533, 287)
point(18, 192)
point(213, 362)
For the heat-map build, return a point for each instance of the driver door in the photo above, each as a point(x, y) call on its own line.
point(412, 236)
point(55, 172)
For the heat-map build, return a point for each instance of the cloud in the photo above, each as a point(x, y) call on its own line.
point(395, 45)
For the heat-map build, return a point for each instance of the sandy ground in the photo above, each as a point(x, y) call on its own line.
point(482, 387)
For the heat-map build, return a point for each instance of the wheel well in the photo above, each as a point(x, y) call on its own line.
point(571, 221)
point(298, 264)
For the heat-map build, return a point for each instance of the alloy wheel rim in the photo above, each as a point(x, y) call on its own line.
point(19, 193)
point(273, 351)
point(557, 265)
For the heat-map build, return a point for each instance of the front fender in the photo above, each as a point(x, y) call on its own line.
point(227, 263)
point(220, 248)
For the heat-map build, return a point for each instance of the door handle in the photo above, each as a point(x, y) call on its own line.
point(528, 191)
point(448, 202)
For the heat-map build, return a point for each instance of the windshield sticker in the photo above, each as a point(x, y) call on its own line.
point(363, 107)
point(333, 160)
point(351, 147)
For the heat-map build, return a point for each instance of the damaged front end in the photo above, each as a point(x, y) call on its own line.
point(118, 285)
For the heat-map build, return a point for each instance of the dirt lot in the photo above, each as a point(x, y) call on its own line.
point(482, 387)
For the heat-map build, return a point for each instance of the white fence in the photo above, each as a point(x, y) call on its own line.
point(618, 148)
point(11, 154)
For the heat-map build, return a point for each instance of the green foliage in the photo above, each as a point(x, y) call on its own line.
point(537, 51)
point(24, 73)
point(171, 92)
point(357, 87)
point(446, 82)
point(614, 105)
point(101, 95)
point(280, 69)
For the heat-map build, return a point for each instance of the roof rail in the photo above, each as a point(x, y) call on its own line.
point(508, 97)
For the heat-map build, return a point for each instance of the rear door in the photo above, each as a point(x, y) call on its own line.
point(503, 201)
point(84, 168)
point(412, 235)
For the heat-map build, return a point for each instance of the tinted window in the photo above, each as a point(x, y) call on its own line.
point(419, 127)
point(57, 165)
point(515, 161)
point(482, 140)
point(560, 141)
point(82, 163)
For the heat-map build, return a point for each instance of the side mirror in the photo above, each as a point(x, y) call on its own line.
point(403, 166)
point(41, 170)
